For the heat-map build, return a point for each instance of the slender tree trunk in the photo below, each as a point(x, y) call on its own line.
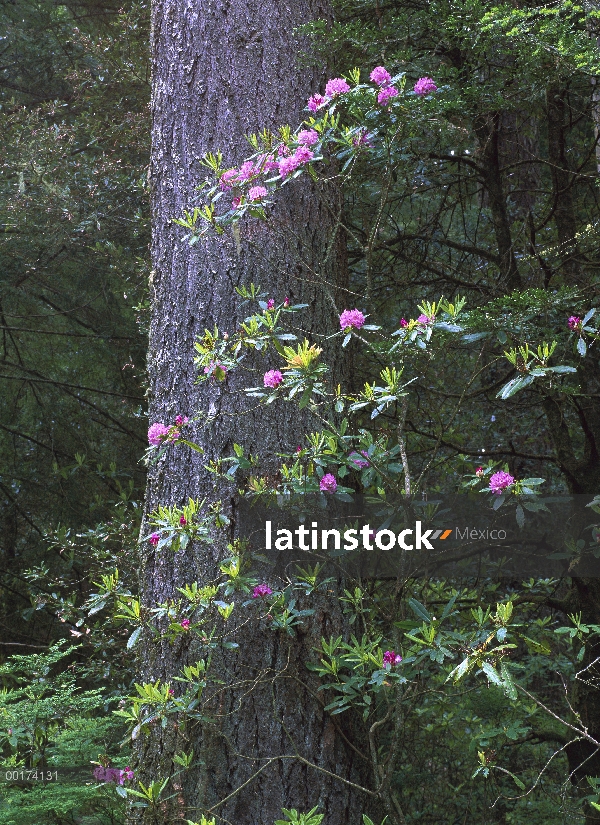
point(487, 130)
point(562, 184)
point(222, 69)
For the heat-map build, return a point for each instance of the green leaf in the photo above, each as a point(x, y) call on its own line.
point(581, 347)
point(491, 673)
point(134, 637)
point(420, 610)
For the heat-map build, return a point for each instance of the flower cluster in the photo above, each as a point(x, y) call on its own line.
point(574, 322)
point(359, 462)
point(260, 591)
point(115, 775)
point(158, 433)
point(424, 86)
point(500, 481)
point(272, 378)
point(328, 483)
point(391, 658)
point(352, 318)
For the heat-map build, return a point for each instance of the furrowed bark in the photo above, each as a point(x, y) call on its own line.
point(221, 70)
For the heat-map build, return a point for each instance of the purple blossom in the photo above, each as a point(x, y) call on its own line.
point(336, 86)
point(183, 521)
point(403, 323)
point(236, 202)
point(328, 483)
point(185, 623)
point(479, 472)
point(358, 461)
point(362, 138)
point(154, 539)
point(227, 179)
point(316, 102)
point(352, 318)
point(425, 319)
point(257, 192)
point(380, 76)
point(386, 94)
point(424, 86)
point(286, 302)
point(500, 481)
point(260, 591)
point(271, 303)
point(288, 165)
point(181, 420)
point(273, 379)
point(303, 154)
point(128, 773)
point(391, 658)
point(157, 433)
point(267, 163)
point(307, 137)
point(247, 171)
point(574, 322)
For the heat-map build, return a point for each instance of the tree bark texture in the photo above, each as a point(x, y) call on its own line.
point(220, 70)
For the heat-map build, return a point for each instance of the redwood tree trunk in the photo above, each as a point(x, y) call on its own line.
point(222, 69)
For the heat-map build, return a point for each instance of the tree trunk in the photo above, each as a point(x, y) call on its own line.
point(221, 70)
point(487, 130)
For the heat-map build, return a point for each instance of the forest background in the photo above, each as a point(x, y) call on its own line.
point(495, 199)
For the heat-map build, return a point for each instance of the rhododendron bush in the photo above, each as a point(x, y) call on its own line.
point(401, 433)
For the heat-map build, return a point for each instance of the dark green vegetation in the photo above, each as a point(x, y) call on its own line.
point(495, 198)
point(73, 267)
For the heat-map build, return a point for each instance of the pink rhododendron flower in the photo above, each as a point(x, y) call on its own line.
point(266, 163)
point(185, 623)
point(358, 461)
point(424, 86)
point(272, 378)
point(286, 302)
point(236, 202)
point(260, 591)
point(271, 303)
point(247, 171)
point(336, 86)
point(425, 319)
point(352, 318)
point(257, 192)
point(386, 94)
point(574, 322)
point(157, 433)
point(479, 472)
point(403, 323)
point(391, 658)
point(500, 481)
point(128, 773)
point(380, 76)
point(308, 137)
point(154, 539)
point(181, 420)
point(316, 102)
point(328, 483)
point(303, 154)
point(288, 165)
point(183, 521)
point(362, 139)
point(227, 179)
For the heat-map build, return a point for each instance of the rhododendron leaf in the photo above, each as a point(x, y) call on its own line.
point(134, 637)
point(588, 316)
point(498, 502)
point(474, 336)
point(520, 516)
point(581, 347)
point(347, 340)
